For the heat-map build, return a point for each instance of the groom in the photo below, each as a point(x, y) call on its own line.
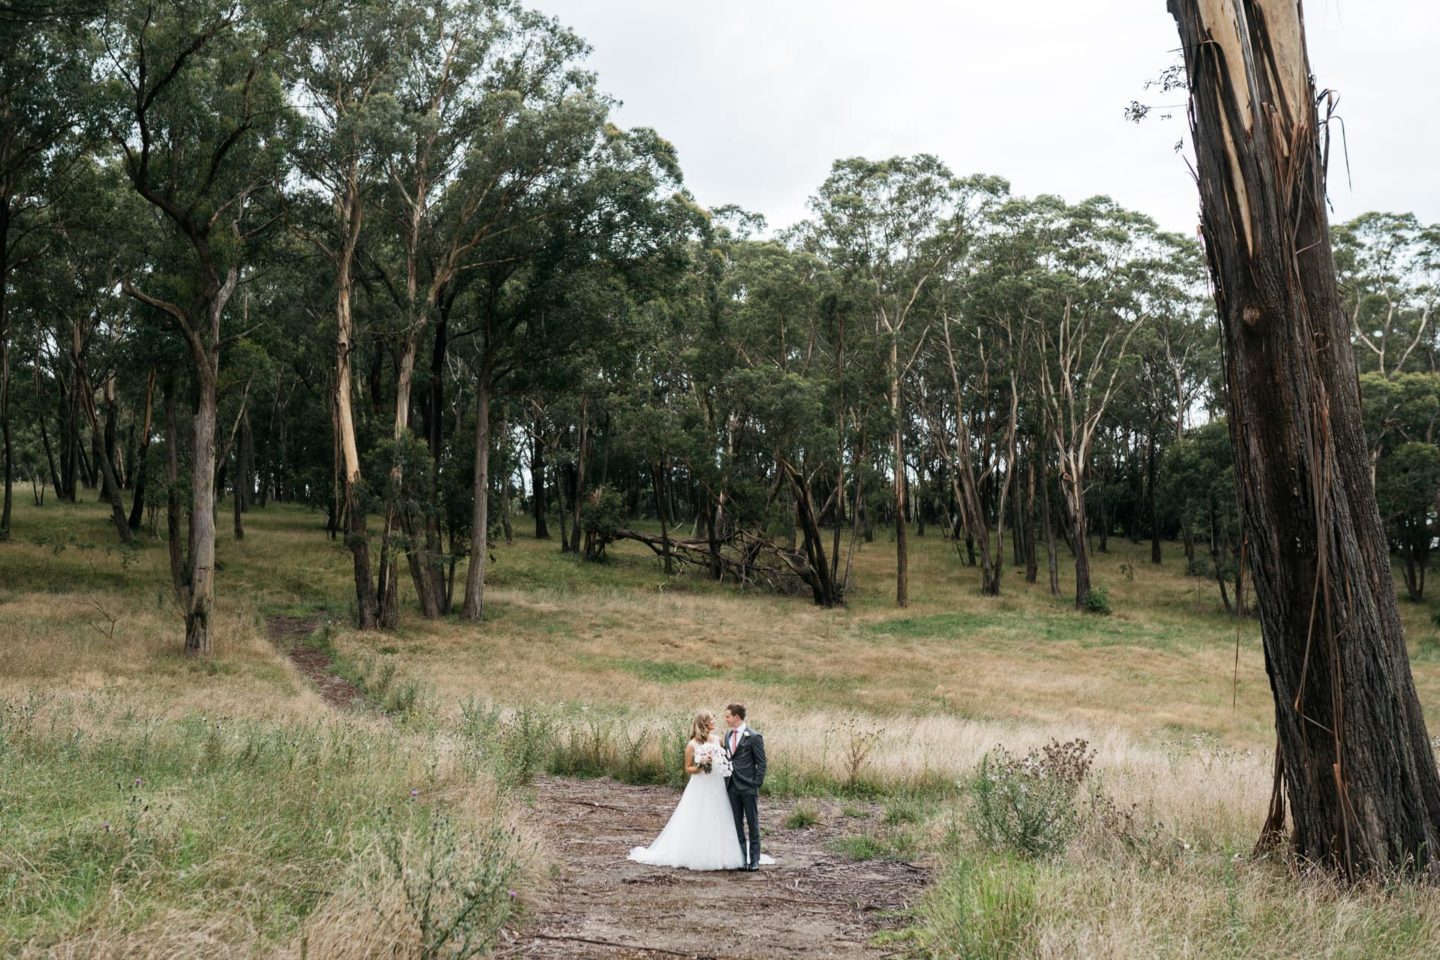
point(746, 750)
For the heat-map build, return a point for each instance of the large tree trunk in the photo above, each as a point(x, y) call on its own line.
point(1358, 766)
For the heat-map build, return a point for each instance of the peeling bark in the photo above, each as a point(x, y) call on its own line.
point(1363, 789)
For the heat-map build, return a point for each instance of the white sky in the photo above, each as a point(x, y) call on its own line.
point(760, 96)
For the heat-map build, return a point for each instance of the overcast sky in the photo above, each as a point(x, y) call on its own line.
point(760, 96)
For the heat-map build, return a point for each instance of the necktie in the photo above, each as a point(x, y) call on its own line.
point(734, 739)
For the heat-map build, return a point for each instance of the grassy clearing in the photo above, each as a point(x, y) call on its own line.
point(200, 834)
point(594, 669)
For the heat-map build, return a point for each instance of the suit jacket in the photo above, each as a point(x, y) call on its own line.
point(747, 762)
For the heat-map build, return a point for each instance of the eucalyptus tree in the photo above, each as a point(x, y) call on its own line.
point(1354, 758)
point(1388, 272)
point(1407, 491)
point(1083, 299)
point(1198, 480)
point(1169, 351)
point(490, 106)
point(598, 233)
point(345, 76)
point(885, 228)
point(44, 75)
point(196, 111)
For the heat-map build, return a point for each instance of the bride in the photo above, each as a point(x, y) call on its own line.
point(701, 833)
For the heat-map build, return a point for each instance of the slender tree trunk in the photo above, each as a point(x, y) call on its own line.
point(1150, 475)
point(537, 484)
point(474, 608)
point(1032, 564)
point(577, 497)
point(506, 494)
point(897, 443)
point(202, 511)
point(1357, 761)
point(1052, 562)
point(172, 504)
point(663, 511)
point(137, 503)
point(9, 449)
point(357, 539)
point(110, 486)
point(1216, 557)
point(55, 480)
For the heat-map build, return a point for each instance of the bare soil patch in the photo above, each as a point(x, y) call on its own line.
point(289, 633)
point(812, 903)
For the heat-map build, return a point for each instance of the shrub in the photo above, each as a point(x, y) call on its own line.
point(1097, 600)
point(857, 742)
point(1027, 804)
point(457, 893)
point(525, 743)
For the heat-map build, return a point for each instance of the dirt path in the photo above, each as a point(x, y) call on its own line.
point(288, 634)
point(813, 903)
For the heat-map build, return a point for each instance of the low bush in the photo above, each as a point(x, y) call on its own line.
point(1026, 805)
point(1098, 601)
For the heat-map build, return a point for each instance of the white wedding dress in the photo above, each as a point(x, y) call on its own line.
point(701, 831)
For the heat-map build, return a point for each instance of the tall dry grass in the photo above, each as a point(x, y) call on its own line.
point(1181, 725)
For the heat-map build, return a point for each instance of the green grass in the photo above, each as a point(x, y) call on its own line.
point(119, 821)
point(257, 833)
point(802, 816)
point(663, 671)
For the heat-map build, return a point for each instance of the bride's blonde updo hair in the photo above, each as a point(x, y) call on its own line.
point(700, 726)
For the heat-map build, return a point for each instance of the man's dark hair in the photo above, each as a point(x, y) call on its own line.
point(738, 709)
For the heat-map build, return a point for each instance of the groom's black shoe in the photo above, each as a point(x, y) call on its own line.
point(752, 866)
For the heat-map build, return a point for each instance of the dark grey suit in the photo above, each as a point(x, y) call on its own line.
point(747, 761)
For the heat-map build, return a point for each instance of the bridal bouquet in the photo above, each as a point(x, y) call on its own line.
point(711, 758)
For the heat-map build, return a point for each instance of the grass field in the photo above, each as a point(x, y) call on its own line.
point(900, 704)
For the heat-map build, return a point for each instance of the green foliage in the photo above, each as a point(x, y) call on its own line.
point(457, 886)
point(802, 816)
point(1098, 601)
point(979, 910)
point(380, 679)
point(517, 745)
point(1026, 805)
point(875, 846)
